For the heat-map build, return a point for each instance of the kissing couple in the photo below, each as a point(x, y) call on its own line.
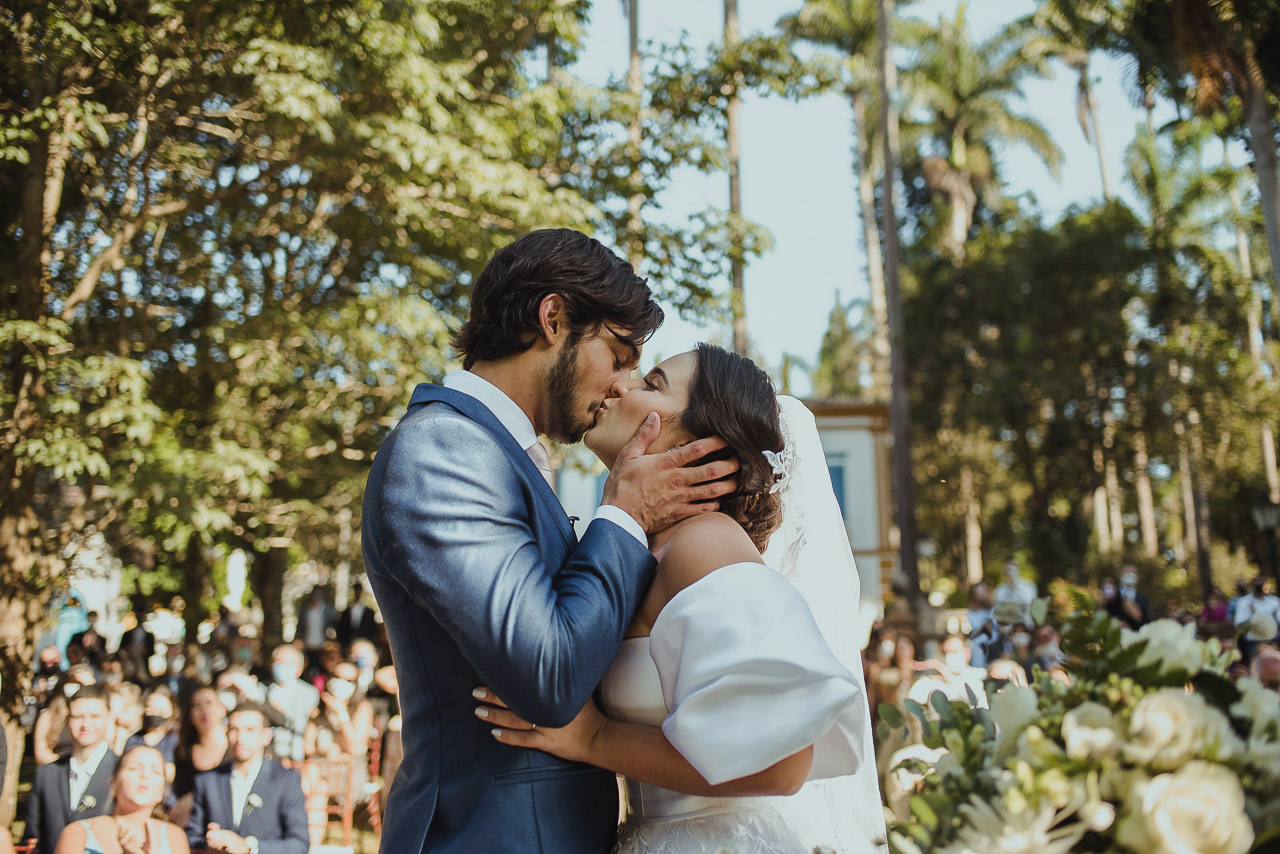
point(697, 639)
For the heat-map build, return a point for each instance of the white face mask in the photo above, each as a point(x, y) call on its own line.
point(1020, 639)
point(1129, 580)
point(340, 688)
point(955, 661)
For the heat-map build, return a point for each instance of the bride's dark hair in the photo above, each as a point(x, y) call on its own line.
point(732, 398)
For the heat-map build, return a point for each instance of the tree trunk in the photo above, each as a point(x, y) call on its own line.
point(270, 569)
point(1146, 501)
point(1200, 506)
point(1101, 516)
point(737, 296)
point(635, 86)
point(1189, 528)
point(1091, 103)
point(972, 526)
point(1115, 517)
point(871, 243)
point(899, 403)
point(1262, 141)
point(195, 577)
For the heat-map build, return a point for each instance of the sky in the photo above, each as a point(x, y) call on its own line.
point(797, 178)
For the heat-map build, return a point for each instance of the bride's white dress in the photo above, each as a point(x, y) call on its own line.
point(739, 672)
point(738, 676)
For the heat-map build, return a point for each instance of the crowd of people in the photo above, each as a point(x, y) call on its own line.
point(242, 749)
point(999, 642)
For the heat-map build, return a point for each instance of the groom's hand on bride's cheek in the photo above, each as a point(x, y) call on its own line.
point(660, 489)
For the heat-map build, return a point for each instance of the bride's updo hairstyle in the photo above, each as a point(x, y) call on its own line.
point(732, 398)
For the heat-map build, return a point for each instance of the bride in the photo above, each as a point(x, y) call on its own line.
point(738, 719)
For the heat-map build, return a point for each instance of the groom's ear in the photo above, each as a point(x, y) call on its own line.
point(553, 322)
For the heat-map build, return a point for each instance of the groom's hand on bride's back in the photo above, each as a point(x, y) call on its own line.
point(659, 490)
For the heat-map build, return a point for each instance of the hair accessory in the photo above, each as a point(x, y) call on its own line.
point(781, 462)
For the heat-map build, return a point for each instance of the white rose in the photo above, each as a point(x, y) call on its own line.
point(1171, 647)
point(1012, 711)
point(1169, 727)
point(1263, 754)
point(1198, 809)
point(1257, 704)
point(1089, 732)
point(901, 783)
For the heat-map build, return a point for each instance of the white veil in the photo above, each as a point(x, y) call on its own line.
point(811, 548)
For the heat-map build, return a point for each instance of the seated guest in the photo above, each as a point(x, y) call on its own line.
point(125, 702)
point(138, 784)
point(251, 805)
point(202, 746)
point(77, 786)
point(159, 725)
point(52, 739)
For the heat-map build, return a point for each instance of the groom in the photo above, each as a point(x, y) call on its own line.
point(478, 572)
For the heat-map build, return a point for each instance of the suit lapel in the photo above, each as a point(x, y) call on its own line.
point(479, 413)
point(224, 791)
point(260, 785)
point(99, 787)
point(63, 785)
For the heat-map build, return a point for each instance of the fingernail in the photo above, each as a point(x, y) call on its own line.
point(482, 713)
point(497, 733)
point(480, 693)
point(651, 418)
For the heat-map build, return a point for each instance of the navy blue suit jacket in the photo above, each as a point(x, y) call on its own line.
point(49, 807)
point(279, 822)
point(481, 581)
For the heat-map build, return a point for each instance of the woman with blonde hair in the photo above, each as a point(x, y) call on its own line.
point(137, 787)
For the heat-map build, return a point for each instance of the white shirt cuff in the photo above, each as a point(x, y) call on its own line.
point(624, 520)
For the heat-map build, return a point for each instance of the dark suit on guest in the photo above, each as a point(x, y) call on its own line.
point(49, 807)
point(279, 822)
point(349, 627)
point(481, 581)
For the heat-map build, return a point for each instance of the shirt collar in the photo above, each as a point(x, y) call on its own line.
point(91, 762)
point(497, 402)
point(250, 776)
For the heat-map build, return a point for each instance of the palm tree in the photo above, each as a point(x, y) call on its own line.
point(1070, 30)
point(961, 92)
point(850, 27)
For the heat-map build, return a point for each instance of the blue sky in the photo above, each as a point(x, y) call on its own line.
point(797, 179)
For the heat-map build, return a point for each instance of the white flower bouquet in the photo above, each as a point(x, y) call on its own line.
point(1149, 750)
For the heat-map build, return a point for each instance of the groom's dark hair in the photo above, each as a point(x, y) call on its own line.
point(598, 289)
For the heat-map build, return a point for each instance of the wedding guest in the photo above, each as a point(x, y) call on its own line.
point(1047, 653)
point(292, 699)
point(137, 785)
point(954, 676)
point(358, 620)
point(1017, 591)
point(1242, 593)
point(314, 622)
point(1129, 606)
point(202, 746)
point(1266, 668)
point(125, 703)
point(339, 729)
point(48, 673)
point(159, 726)
point(1259, 601)
point(52, 737)
point(76, 786)
point(251, 804)
point(983, 633)
point(1020, 645)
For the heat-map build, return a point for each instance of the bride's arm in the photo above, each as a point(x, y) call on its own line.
point(640, 752)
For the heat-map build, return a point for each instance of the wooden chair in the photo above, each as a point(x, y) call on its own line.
point(338, 779)
point(25, 847)
point(374, 804)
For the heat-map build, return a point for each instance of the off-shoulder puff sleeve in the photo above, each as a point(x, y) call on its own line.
point(748, 679)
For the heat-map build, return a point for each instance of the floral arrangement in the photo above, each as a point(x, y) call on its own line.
point(1149, 750)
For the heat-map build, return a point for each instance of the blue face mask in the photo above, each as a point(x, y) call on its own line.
point(283, 672)
point(362, 662)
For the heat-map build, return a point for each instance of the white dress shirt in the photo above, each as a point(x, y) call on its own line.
point(1250, 605)
point(241, 786)
point(81, 774)
point(521, 429)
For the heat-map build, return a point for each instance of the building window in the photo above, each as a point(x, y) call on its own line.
point(835, 467)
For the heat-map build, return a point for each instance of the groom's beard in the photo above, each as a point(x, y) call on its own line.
point(566, 418)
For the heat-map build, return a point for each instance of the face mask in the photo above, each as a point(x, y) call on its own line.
point(1049, 650)
point(362, 661)
point(887, 648)
point(177, 663)
point(1129, 580)
point(282, 672)
point(1021, 640)
point(228, 700)
point(955, 661)
point(340, 688)
point(112, 678)
point(150, 722)
point(244, 655)
point(1109, 591)
point(47, 669)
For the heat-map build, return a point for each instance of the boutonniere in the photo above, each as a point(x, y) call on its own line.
point(88, 802)
point(253, 803)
